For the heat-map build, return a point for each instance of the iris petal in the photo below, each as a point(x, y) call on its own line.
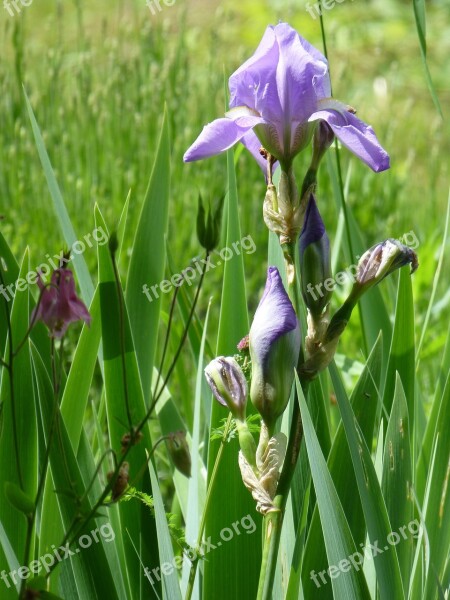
point(220, 135)
point(357, 136)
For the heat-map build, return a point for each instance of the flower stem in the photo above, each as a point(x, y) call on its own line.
point(193, 571)
point(273, 521)
point(78, 523)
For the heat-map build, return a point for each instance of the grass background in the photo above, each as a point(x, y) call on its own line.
point(99, 74)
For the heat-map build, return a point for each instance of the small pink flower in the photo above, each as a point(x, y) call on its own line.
point(60, 304)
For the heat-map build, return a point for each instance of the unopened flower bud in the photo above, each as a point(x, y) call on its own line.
point(228, 384)
point(121, 482)
point(374, 265)
point(274, 349)
point(315, 264)
point(178, 449)
point(381, 260)
point(208, 225)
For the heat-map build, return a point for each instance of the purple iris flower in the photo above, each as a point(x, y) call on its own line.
point(276, 98)
point(274, 340)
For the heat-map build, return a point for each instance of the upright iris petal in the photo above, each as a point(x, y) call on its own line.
point(276, 97)
point(274, 348)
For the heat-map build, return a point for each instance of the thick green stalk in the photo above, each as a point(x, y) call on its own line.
point(273, 521)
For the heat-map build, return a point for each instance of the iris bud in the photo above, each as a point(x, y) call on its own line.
point(374, 265)
point(208, 225)
point(228, 384)
point(315, 264)
point(377, 263)
point(178, 449)
point(381, 260)
point(274, 349)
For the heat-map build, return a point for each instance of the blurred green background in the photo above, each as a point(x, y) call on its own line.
point(99, 74)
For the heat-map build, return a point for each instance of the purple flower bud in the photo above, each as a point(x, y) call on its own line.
point(274, 349)
point(381, 260)
point(374, 265)
point(315, 265)
point(228, 384)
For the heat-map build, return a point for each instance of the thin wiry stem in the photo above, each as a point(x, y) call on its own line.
point(134, 432)
point(180, 346)
point(166, 341)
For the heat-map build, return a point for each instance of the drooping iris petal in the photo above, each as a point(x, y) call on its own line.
point(220, 135)
point(357, 136)
point(274, 341)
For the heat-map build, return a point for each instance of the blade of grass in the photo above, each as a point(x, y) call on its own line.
point(147, 263)
point(365, 403)
point(84, 278)
point(339, 542)
point(230, 500)
point(420, 19)
point(375, 512)
point(397, 477)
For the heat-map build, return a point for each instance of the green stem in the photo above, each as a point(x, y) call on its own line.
point(341, 190)
point(43, 475)
point(273, 521)
point(193, 571)
point(166, 341)
point(78, 523)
